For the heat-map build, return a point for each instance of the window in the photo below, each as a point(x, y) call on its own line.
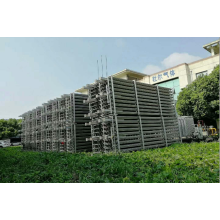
point(173, 84)
point(204, 73)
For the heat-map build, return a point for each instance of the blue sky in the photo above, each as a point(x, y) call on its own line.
point(34, 70)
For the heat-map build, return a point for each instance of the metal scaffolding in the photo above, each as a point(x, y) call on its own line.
point(187, 127)
point(128, 115)
point(58, 125)
point(117, 115)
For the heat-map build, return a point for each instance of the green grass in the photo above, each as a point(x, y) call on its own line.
point(179, 163)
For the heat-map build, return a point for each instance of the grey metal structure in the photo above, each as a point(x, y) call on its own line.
point(128, 115)
point(58, 125)
point(187, 127)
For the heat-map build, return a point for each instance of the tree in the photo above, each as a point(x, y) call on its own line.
point(200, 99)
point(9, 128)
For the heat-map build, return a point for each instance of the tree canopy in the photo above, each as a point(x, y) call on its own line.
point(9, 128)
point(200, 99)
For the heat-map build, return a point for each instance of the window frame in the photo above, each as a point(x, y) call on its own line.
point(203, 73)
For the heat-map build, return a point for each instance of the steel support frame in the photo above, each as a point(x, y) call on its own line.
point(139, 115)
point(161, 113)
point(111, 114)
point(74, 123)
point(115, 114)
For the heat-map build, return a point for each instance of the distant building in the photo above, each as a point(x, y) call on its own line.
point(176, 77)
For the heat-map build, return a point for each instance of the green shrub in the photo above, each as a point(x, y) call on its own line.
point(179, 163)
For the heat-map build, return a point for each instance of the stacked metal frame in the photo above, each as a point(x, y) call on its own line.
point(38, 128)
point(24, 129)
point(58, 125)
point(81, 132)
point(128, 115)
point(101, 117)
point(27, 130)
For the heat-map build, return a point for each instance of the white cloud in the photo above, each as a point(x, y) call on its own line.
point(149, 69)
point(178, 58)
point(170, 61)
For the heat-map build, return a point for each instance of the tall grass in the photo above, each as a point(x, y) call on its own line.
point(179, 163)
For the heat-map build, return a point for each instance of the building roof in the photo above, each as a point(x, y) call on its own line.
point(81, 90)
point(214, 45)
point(118, 75)
point(128, 71)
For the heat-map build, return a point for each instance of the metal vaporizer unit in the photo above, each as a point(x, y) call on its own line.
point(128, 115)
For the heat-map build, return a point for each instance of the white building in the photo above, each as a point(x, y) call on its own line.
point(176, 77)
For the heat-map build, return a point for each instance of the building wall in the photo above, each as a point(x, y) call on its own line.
point(146, 79)
point(181, 71)
point(122, 76)
point(180, 76)
point(185, 72)
point(203, 65)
